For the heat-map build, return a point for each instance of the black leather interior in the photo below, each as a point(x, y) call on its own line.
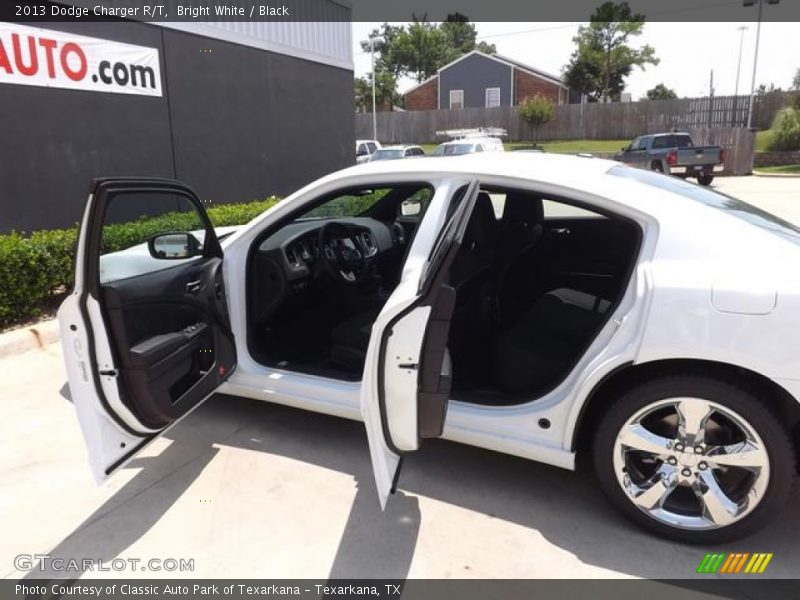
point(170, 341)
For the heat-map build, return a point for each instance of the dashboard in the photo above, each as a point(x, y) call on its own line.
point(295, 247)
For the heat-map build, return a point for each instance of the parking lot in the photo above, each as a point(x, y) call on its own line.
point(249, 489)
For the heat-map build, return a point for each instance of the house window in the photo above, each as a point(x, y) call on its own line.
point(492, 97)
point(456, 98)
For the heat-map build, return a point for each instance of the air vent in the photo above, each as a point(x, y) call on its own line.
point(291, 256)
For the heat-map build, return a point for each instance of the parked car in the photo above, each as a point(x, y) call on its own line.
point(544, 306)
point(469, 146)
point(395, 152)
point(674, 154)
point(365, 149)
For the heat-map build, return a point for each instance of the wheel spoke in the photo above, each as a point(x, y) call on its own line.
point(636, 437)
point(718, 508)
point(655, 495)
point(692, 416)
point(745, 455)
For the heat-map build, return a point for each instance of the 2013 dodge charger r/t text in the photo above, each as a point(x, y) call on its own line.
point(537, 305)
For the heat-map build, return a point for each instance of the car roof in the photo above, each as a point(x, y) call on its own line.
point(399, 147)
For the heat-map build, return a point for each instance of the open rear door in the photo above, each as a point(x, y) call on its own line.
point(145, 333)
point(407, 380)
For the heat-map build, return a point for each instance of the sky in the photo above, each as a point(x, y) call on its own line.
point(688, 53)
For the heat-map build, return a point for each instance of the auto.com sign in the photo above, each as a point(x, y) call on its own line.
point(47, 58)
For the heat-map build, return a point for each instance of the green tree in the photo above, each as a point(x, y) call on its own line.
point(661, 92)
point(786, 130)
point(386, 94)
point(796, 80)
point(421, 48)
point(536, 111)
point(603, 57)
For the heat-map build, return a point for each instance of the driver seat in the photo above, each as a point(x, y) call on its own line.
point(350, 339)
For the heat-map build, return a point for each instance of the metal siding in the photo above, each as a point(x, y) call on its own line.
point(473, 75)
point(327, 41)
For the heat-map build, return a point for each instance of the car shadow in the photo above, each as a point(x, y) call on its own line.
point(565, 508)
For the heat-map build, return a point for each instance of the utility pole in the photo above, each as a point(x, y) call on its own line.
point(755, 55)
point(371, 41)
point(735, 123)
point(741, 29)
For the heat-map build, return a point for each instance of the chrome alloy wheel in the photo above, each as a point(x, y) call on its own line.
point(691, 463)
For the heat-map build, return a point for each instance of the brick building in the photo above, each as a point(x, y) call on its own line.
point(482, 80)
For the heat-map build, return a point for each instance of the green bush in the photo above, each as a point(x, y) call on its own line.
point(33, 266)
point(785, 130)
point(536, 111)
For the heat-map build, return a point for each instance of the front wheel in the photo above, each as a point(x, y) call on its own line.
point(694, 459)
point(705, 179)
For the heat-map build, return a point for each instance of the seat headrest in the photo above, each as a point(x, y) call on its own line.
point(482, 226)
point(522, 209)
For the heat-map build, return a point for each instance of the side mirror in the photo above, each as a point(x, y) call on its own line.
point(410, 208)
point(174, 246)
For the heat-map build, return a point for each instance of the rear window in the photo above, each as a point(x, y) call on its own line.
point(732, 206)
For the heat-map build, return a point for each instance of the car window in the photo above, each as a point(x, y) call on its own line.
point(387, 153)
point(637, 144)
point(351, 204)
point(372, 147)
point(661, 141)
point(132, 218)
point(732, 206)
point(681, 141)
point(553, 209)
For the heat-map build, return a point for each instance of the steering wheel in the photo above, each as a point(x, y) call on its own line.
point(345, 262)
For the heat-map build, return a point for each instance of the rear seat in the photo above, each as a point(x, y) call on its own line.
point(537, 350)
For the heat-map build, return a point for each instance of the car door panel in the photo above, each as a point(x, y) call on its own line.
point(407, 382)
point(142, 351)
point(584, 253)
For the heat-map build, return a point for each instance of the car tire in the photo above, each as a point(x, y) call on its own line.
point(657, 166)
point(705, 179)
point(618, 465)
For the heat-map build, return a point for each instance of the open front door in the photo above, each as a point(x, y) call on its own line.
point(145, 333)
point(406, 385)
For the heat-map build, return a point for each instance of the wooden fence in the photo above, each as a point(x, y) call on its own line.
point(579, 121)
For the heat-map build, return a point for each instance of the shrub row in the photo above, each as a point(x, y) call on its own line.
point(786, 129)
point(33, 266)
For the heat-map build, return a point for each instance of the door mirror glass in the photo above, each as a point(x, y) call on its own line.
point(174, 246)
point(410, 208)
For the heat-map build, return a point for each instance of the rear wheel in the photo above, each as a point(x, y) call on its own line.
point(657, 166)
point(694, 459)
point(705, 179)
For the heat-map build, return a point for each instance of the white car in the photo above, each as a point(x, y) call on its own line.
point(365, 149)
point(469, 145)
point(396, 152)
point(542, 306)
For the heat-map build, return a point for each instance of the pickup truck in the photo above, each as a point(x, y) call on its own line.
point(674, 154)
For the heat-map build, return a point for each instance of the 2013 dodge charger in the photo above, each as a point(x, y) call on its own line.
point(537, 305)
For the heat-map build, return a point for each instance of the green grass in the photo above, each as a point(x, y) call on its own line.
point(788, 169)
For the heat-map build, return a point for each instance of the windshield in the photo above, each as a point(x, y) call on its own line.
point(388, 154)
point(732, 206)
point(453, 149)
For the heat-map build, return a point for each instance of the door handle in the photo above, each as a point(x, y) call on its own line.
point(411, 366)
point(194, 286)
point(560, 231)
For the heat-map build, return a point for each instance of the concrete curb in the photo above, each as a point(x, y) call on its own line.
point(767, 174)
point(31, 337)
